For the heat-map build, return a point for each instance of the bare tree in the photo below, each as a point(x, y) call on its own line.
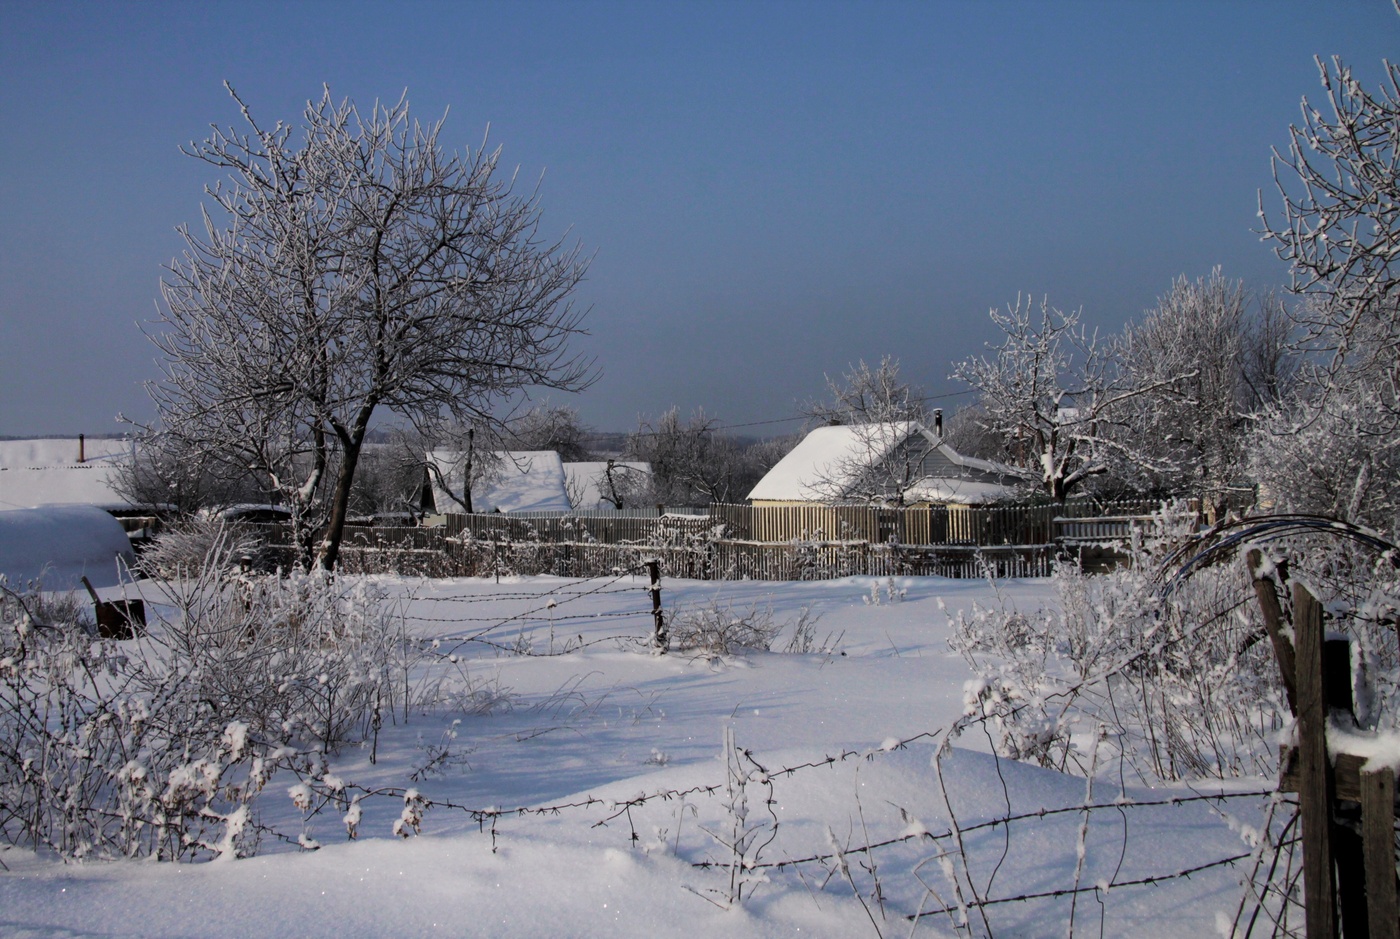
point(690, 463)
point(159, 474)
point(866, 396)
point(551, 427)
point(458, 462)
point(966, 431)
point(1336, 448)
point(1340, 186)
point(1057, 394)
point(348, 266)
point(1271, 363)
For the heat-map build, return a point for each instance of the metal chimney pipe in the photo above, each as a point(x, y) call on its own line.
point(938, 423)
point(81, 458)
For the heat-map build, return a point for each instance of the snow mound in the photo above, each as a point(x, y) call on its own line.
point(58, 545)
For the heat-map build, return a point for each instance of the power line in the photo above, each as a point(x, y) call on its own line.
point(802, 417)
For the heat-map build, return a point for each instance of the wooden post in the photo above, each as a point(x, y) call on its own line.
point(659, 636)
point(1273, 622)
point(1347, 848)
point(1315, 782)
point(1378, 845)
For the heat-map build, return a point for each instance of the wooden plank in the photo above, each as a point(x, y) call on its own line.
point(1314, 772)
point(1378, 844)
point(1273, 624)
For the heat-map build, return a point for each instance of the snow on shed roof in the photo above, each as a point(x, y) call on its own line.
point(830, 458)
point(521, 481)
point(62, 451)
point(586, 480)
point(47, 472)
point(944, 489)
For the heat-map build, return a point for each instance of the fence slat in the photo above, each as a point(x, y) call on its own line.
point(1315, 784)
point(1378, 845)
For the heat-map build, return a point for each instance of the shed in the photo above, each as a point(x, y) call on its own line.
point(63, 471)
point(592, 485)
point(515, 481)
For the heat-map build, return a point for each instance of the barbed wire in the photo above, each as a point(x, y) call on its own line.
point(1151, 880)
point(567, 617)
point(507, 597)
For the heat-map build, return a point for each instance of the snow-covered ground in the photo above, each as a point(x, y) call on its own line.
point(628, 746)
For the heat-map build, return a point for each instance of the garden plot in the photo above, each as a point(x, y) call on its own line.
point(555, 776)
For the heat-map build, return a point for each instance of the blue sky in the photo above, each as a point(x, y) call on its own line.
point(772, 190)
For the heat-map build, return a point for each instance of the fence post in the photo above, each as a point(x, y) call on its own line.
point(1378, 845)
point(1273, 622)
point(1347, 846)
point(1315, 782)
point(659, 637)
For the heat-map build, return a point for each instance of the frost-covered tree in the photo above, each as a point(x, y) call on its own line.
point(1339, 183)
point(690, 462)
point(693, 463)
point(1340, 232)
point(551, 427)
point(1192, 348)
point(868, 396)
point(345, 267)
point(1057, 394)
point(161, 475)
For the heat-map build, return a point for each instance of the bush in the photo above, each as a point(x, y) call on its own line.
point(182, 549)
point(721, 630)
point(1182, 682)
point(159, 746)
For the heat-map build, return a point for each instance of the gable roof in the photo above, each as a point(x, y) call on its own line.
point(47, 472)
point(521, 481)
point(586, 481)
point(829, 462)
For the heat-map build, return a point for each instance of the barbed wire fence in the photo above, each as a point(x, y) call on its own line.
point(889, 875)
point(965, 867)
point(963, 894)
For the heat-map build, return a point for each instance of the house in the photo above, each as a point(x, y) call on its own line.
point(64, 471)
point(899, 463)
point(601, 485)
point(508, 481)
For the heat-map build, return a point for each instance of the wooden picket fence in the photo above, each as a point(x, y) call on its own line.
point(737, 542)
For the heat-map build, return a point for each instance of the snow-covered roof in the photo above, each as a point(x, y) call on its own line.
point(519, 481)
point(47, 472)
point(58, 545)
point(586, 481)
point(831, 460)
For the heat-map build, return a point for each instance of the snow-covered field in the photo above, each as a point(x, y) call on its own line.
point(628, 747)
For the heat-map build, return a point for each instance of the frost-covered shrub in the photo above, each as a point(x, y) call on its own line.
point(159, 746)
point(1183, 680)
point(716, 629)
point(721, 630)
point(182, 548)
